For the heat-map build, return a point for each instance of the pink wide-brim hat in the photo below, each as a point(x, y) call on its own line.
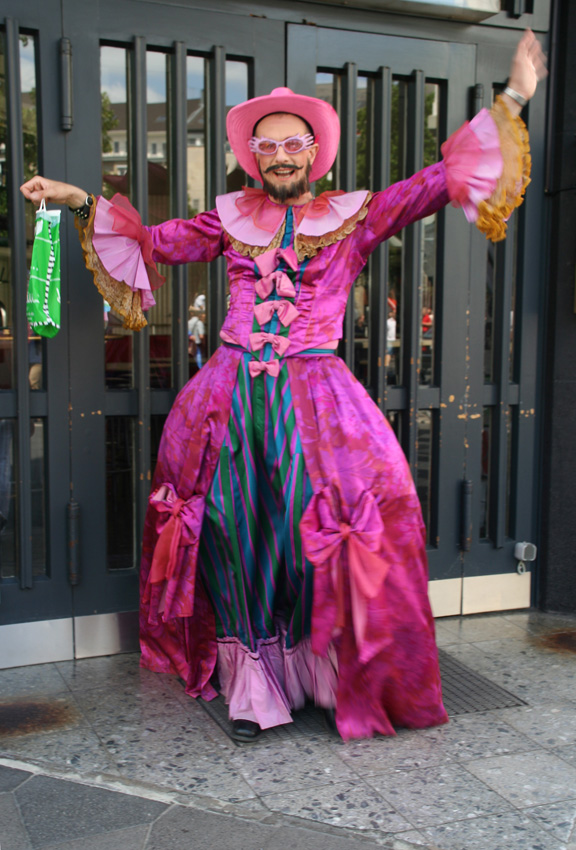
point(323, 119)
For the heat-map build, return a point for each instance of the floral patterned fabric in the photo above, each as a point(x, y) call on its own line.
point(362, 529)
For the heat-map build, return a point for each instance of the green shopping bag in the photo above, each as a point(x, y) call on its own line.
point(43, 300)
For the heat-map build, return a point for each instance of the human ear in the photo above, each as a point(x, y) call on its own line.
point(312, 152)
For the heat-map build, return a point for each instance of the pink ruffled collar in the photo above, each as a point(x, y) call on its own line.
point(250, 217)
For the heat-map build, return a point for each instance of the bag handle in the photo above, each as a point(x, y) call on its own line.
point(42, 207)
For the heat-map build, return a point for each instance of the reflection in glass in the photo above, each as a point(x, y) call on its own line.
point(394, 417)
point(196, 173)
point(9, 555)
point(429, 242)
point(27, 50)
point(486, 474)
point(424, 466)
point(363, 284)
point(399, 115)
point(236, 92)
point(8, 544)
point(120, 492)
point(491, 254)
point(6, 340)
point(512, 245)
point(38, 495)
point(157, 421)
point(327, 87)
point(36, 345)
point(160, 316)
point(510, 433)
point(115, 178)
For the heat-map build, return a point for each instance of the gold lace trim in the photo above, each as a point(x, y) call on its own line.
point(125, 303)
point(509, 191)
point(255, 250)
point(308, 246)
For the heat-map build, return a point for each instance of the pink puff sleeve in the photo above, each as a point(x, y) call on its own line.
point(485, 170)
point(473, 163)
point(122, 253)
point(124, 247)
point(488, 168)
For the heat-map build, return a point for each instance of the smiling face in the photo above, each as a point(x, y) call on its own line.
point(284, 175)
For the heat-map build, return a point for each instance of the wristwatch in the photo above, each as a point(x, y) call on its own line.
point(83, 212)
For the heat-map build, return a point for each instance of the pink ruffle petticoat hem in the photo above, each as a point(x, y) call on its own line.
point(267, 685)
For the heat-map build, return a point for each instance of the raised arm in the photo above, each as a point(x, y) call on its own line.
point(485, 166)
point(121, 252)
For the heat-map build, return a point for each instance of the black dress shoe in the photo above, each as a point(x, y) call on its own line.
point(330, 720)
point(245, 731)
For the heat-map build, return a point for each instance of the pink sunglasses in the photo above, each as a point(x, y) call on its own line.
point(268, 147)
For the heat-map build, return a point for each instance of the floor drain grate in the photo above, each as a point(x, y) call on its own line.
point(465, 692)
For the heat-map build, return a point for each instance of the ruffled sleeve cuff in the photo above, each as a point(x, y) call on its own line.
point(118, 251)
point(487, 168)
point(494, 212)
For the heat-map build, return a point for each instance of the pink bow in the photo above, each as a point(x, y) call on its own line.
point(279, 343)
point(280, 280)
point(256, 367)
point(317, 207)
point(325, 536)
point(179, 523)
point(287, 312)
point(270, 260)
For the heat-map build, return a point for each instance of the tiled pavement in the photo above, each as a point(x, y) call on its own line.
point(131, 763)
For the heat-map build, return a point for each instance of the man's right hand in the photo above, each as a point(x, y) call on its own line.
point(40, 188)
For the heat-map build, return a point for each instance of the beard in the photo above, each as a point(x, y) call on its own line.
point(289, 191)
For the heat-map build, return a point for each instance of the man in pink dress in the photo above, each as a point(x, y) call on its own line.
point(284, 543)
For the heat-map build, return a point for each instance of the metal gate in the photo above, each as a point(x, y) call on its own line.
point(441, 329)
point(143, 114)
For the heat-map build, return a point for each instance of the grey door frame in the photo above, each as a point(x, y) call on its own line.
point(77, 402)
point(460, 395)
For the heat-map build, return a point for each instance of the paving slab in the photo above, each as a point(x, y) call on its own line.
point(13, 835)
point(58, 810)
point(498, 832)
point(10, 778)
point(190, 828)
point(133, 838)
point(528, 779)
point(438, 795)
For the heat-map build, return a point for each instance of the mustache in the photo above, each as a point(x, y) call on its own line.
point(282, 167)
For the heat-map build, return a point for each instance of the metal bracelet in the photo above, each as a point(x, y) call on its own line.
point(520, 100)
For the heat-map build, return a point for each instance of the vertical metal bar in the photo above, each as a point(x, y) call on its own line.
point(216, 182)
point(66, 98)
point(73, 542)
point(177, 113)
point(348, 182)
point(19, 279)
point(412, 274)
point(504, 258)
point(466, 516)
point(477, 99)
point(379, 294)
point(141, 341)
